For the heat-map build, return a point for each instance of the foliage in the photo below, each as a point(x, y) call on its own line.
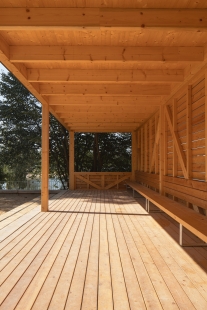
point(103, 152)
point(20, 140)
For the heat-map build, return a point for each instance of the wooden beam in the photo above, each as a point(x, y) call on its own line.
point(157, 137)
point(104, 89)
point(189, 132)
point(102, 115)
point(106, 76)
point(53, 18)
point(20, 72)
point(179, 150)
point(109, 129)
point(206, 125)
point(117, 182)
point(175, 157)
point(71, 161)
point(45, 159)
point(162, 151)
point(87, 181)
point(117, 101)
point(134, 154)
point(102, 109)
point(105, 53)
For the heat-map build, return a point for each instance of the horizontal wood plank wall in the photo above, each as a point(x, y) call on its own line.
point(101, 180)
point(184, 147)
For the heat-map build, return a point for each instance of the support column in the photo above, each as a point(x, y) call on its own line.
point(134, 154)
point(162, 150)
point(45, 158)
point(71, 162)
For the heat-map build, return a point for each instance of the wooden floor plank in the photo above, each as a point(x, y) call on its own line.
point(136, 300)
point(120, 296)
point(149, 294)
point(60, 295)
point(47, 290)
point(105, 298)
point(91, 252)
point(74, 300)
point(163, 292)
point(193, 274)
point(173, 285)
point(187, 285)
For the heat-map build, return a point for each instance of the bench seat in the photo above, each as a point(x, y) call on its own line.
point(193, 221)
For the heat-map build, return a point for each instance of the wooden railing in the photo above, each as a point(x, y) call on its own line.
point(101, 180)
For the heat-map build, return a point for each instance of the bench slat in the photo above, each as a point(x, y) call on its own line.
point(193, 221)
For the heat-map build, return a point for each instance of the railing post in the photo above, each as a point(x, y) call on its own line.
point(71, 161)
point(45, 158)
point(134, 154)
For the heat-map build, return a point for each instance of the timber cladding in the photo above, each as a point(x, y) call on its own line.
point(172, 155)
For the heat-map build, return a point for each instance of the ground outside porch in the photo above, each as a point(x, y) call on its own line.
point(98, 250)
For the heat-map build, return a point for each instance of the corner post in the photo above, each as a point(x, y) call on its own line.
point(45, 158)
point(71, 162)
point(162, 149)
point(134, 154)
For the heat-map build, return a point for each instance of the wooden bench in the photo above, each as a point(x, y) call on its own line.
point(186, 217)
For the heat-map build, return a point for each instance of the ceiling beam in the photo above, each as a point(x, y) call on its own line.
point(102, 109)
point(102, 125)
point(106, 76)
point(105, 53)
point(109, 129)
point(104, 89)
point(20, 72)
point(53, 18)
point(116, 101)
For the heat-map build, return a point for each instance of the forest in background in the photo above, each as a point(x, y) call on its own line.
point(20, 140)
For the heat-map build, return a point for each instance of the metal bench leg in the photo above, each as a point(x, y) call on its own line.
point(188, 245)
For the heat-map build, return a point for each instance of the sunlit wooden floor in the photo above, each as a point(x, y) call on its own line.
point(97, 250)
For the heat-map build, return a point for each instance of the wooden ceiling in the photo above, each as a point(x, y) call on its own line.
point(103, 65)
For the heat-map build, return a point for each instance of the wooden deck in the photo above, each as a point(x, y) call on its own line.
point(97, 250)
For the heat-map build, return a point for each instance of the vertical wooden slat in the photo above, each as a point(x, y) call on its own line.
point(45, 158)
point(162, 150)
point(150, 143)
point(175, 157)
point(134, 154)
point(145, 147)
point(156, 146)
point(165, 140)
point(206, 125)
point(142, 151)
point(71, 161)
point(189, 132)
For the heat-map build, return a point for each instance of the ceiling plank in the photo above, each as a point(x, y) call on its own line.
point(104, 89)
point(106, 76)
point(44, 18)
point(117, 101)
point(105, 53)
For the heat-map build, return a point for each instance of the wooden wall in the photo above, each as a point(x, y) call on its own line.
point(172, 146)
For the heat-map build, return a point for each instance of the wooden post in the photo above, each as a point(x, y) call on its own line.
point(45, 158)
point(162, 150)
point(134, 154)
point(175, 157)
point(189, 132)
point(71, 162)
point(206, 125)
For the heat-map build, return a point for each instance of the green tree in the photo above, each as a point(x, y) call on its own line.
point(20, 140)
point(20, 136)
